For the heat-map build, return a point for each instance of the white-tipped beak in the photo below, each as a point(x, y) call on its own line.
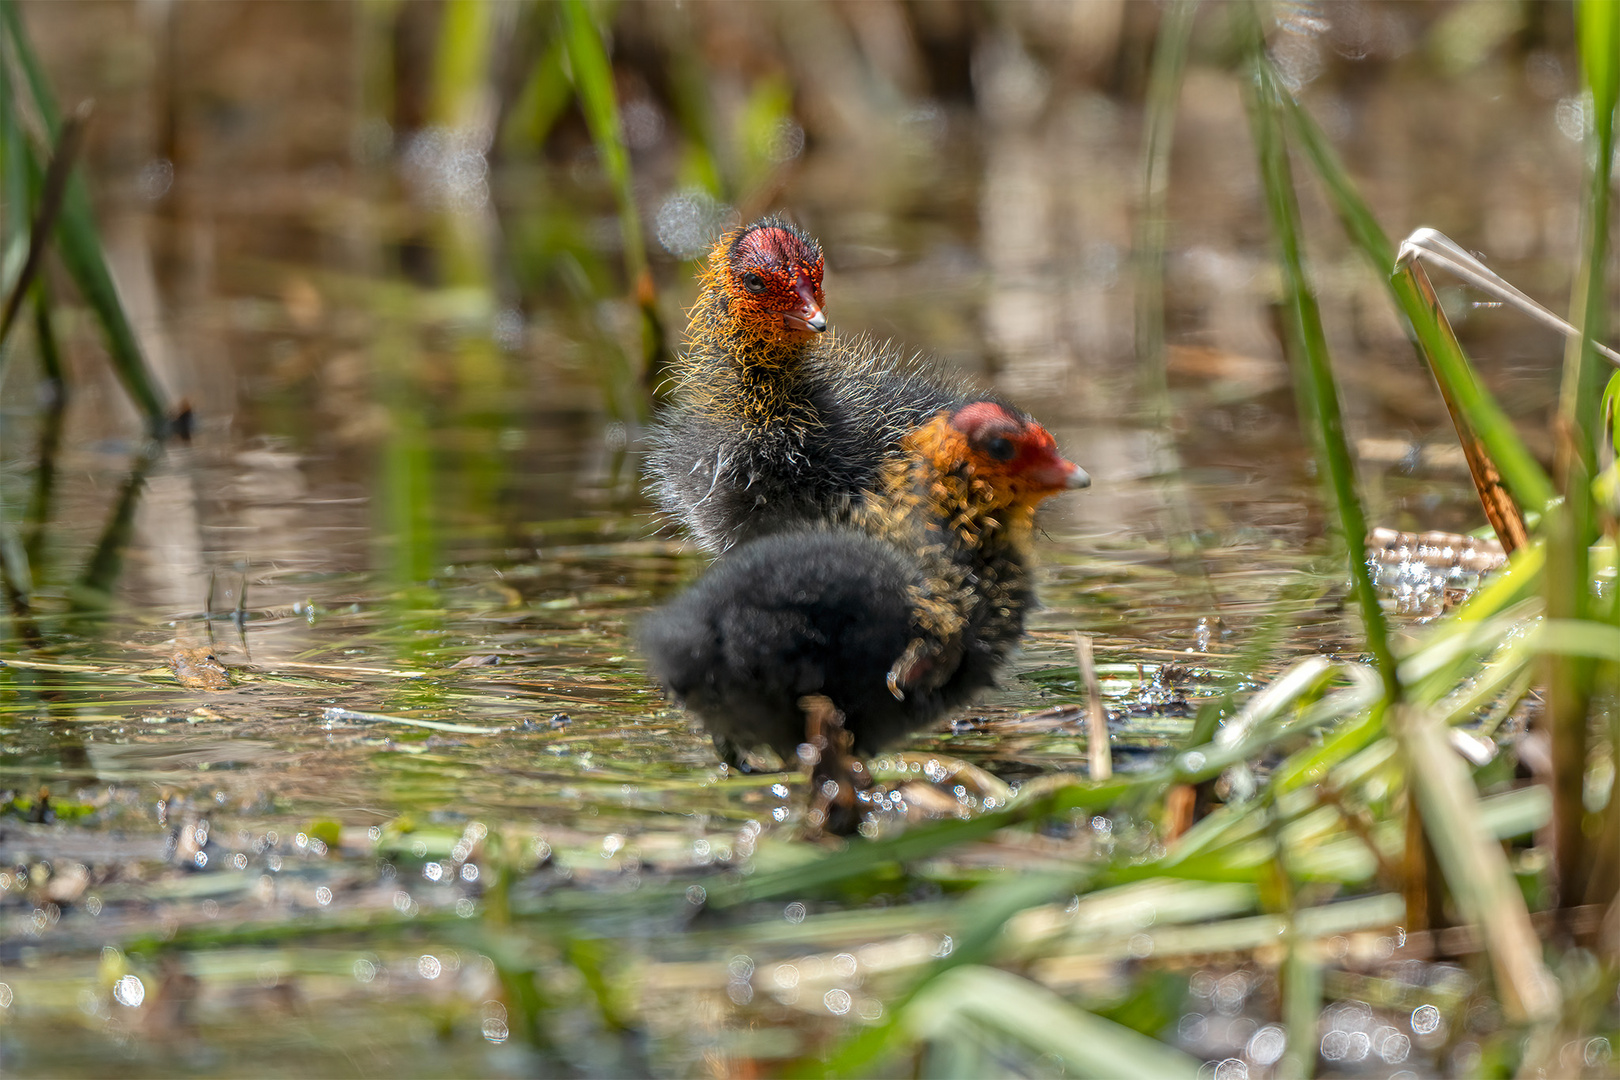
point(814, 322)
point(809, 317)
point(1058, 474)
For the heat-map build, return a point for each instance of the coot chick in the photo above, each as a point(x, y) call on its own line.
point(776, 423)
point(894, 621)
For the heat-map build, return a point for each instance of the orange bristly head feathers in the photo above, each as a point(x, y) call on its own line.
point(770, 274)
point(990, 467)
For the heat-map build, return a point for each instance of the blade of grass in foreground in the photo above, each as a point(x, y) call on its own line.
point(1444, 356)
point(981, 918)
point(1598, 32)
point(1475, 867)
point(1028, 1012)
point(1573, 526)
point(1474, 864)
point(1320, 394)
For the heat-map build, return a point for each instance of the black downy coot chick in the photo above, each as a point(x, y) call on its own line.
point(894, 621)
point(778, 424)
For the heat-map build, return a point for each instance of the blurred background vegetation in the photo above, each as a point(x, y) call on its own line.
point(407, 274)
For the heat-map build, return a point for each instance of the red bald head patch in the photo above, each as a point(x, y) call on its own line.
point(773, 245)
point(979, 417)
point(772, 277)
point(1005, 443)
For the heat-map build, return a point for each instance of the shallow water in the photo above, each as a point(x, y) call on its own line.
point(311, 709)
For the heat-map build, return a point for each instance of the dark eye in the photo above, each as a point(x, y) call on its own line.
point(1001, 448)
point(753, 282)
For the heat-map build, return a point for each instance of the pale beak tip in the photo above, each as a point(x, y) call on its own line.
point(1079, 479)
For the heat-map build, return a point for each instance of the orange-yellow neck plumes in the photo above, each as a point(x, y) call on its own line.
point(757, 318)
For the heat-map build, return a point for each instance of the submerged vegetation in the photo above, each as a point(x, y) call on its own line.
point(1392, 847)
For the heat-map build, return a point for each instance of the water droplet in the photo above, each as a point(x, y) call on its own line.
point(155, 180)
point(1266, 1046)
point(129, 991)
point(689, 221)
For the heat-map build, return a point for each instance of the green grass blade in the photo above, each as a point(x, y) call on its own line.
point(48, 345)
point(1598, 28)
point(53, 187)
point(79, 243)
point(1428, 681)
point(980, 921)
point(593, 81)
point(690, 88)
point(1597, 25)
point(1353, 212)
point(920, 842)
point(1475, 867)
point(1579, 637)
point(461, 61)
point(1164, 86)
point(1035, 1016)
point(15, 198)
point(40, 501)
point(1445, 357)
point(1302, 1006)
point(1573, 526)
point(541, 101)
point(1320, 395)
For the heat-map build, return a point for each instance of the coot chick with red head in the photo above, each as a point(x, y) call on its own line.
point(777, 423)
point(894, 620)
